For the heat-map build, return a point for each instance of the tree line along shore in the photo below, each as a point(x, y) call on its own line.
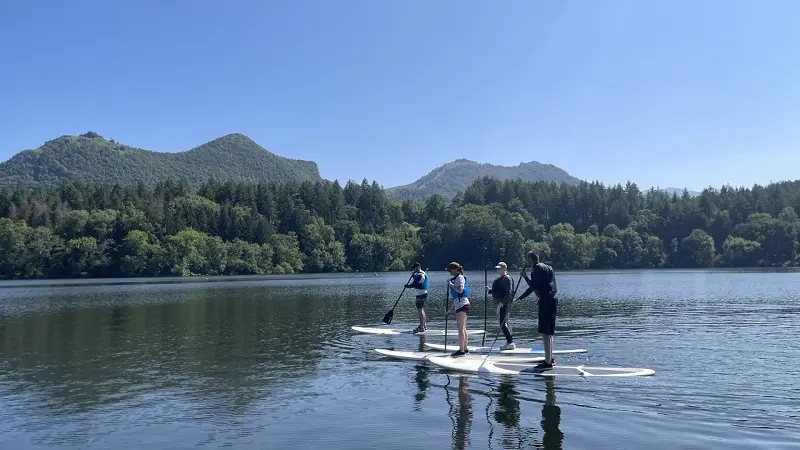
point(80, 229)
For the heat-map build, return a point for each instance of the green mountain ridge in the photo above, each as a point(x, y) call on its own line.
point(234, 157)
point(454, 177)
point(92, 158)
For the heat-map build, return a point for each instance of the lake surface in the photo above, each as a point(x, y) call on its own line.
point(271, 363)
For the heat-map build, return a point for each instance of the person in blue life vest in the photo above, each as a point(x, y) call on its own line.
point(458, 293)
point(543, 283)
point(419, 282)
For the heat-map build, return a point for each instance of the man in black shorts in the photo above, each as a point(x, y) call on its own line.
point(543, 283)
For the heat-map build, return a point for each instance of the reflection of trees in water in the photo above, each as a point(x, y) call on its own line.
point(460, 416)
point(229, 347)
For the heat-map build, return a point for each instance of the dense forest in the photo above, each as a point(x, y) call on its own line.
point(75, 229)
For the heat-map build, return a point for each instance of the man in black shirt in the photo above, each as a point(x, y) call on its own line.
point(543, 283)
point(502, 291)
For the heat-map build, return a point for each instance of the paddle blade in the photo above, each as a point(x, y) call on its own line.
point(387, 319)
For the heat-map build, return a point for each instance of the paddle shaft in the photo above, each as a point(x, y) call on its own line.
point(485, 298)
point(387, 318)
point(402, 292)
point(446, 309)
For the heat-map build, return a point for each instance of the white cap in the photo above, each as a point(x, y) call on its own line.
point(501, 265)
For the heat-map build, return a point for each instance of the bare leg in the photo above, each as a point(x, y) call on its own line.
point(423, 320)
point(461, 320)
point(547, 343)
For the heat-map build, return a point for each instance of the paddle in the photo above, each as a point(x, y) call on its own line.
point(446, 311)
point(485, 297)
point(500, 330)
point(387, 319)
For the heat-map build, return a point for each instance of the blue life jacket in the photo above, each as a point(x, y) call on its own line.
point(454, 293)
point(422, 284)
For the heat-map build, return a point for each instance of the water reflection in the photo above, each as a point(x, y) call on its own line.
point(421, 372)
point(460, 415)
point(222, 351)
point(552, 437)
point(421, 378)
point(508, 413)
point(254, 365)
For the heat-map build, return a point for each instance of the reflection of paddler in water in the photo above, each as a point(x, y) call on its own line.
point(421, 377)
point(552, 436)
point(461, 418)
point(508, 414)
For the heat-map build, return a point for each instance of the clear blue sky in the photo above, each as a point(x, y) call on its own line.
point(669, 93)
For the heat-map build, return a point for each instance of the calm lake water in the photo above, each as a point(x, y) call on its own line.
point(271, 363)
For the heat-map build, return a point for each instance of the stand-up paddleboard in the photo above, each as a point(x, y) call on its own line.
point(516, 351)
point(380, 330)
point(510, 368)
point(423, 356)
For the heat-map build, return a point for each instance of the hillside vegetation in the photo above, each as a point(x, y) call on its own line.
point(450, 179)
point(75, 229)
point(92, 158)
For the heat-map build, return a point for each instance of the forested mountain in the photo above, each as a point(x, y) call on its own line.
point(75, 229)
point(92, 158)
point(452, 178)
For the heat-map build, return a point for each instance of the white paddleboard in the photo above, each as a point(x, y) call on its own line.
point(516, 351)
point(510, 368)
point(423, 356)
point(429, 332)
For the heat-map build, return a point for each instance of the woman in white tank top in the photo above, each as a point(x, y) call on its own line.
point(458, 291)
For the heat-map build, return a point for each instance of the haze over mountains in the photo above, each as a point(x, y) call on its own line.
point(231, 157)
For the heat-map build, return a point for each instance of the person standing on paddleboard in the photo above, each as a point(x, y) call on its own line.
point(458, 292)
point(543, 283)
point(419, 282)
point(502, 291)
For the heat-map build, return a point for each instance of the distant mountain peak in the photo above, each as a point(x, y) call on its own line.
point(679, 191)
point(91, 135)
point(453, 177)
